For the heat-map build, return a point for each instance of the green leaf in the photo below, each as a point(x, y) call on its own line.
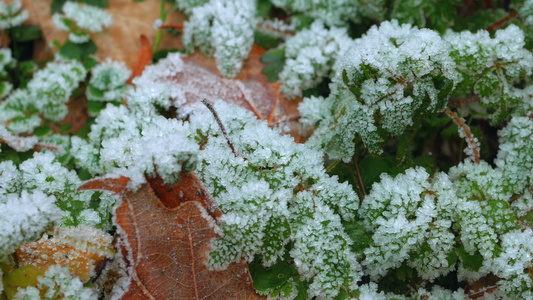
point(358, 236)
point(271, 279)
point(64, 128)
point(89, 62)
point(274, 61)
point(470, 261)
point(160, 54)
point(94, 107)
point(41, 130)
point(78, 51)
point(266, 40)
point(20, 278)
point(25, 33)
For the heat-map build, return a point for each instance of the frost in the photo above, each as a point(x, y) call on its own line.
point(24, 217)
point(224, 29)
point(18, 143)
point(410, 75)
point(335, 13)
point(56, 283)
point(108, 81)
point(526, 12)
point(283, 186)
point(11, 16)
point(490, 67)
point(310, 55)
point(88, 17)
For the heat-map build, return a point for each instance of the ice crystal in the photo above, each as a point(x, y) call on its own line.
point(11, 16)
point(108, 81)
point(335, 13)
point(310, 55)
point(6, 61)
point(490, 67)
point(375, 93)
point(283, 186)
point(91, 18)
point(58, 283)
point(526, 12)
point(224, 29)
point(411, 219)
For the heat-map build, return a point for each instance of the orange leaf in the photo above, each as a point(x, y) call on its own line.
point(167, 246)
point(115, 185)
point(144, 58)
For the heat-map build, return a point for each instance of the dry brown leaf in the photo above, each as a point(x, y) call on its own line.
point(144, 58)
point(121, 40)
point(167, 246)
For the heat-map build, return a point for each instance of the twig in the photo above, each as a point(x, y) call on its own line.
point(500, 23)
point(247, 99)
point(209, 106)
point(464, 132)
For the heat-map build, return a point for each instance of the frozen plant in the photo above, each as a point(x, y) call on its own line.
point(80, 20)
point(108, 81)
point(375, 94)
point(6, 61)
point(47, 93)
point(57, 283)
point(491, 68)
point(10, 14)
point(310, 55)
point(223, 29)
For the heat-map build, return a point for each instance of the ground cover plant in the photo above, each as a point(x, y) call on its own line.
point(266, 149)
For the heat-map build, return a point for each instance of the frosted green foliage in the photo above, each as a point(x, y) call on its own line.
point(379, 93)
point(335, 13)
point(10, 14)
point(6, 61)
point(524, 203)
point(490, 67)
point(50, 89)
point(187, 5)
point(439, 293)
point(411, 218)
point(121, 142)
point(479, 181)
point(515, 157)
point(78, 19)
point(58, 283)
point(275, 192)
point(526, 12)
point(310, 55)
point(18, 143)
point(24, 217)
point(108, 81)
point(19, 108)
point(224, 29)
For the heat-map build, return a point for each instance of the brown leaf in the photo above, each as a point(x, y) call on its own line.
point(144, 58)
point(167, 246)
point(120, 40)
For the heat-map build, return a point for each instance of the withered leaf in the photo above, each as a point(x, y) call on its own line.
point(167, 246)
point(144, 58)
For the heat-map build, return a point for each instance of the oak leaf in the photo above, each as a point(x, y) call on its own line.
point(167, 239)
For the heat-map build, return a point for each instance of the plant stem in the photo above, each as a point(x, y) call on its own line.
point(163, 16)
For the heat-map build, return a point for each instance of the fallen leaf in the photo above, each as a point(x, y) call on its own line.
point(121, 39)
point(167, 246)
point(144, 58)
point(81, 248)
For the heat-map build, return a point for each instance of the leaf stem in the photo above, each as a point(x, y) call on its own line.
point(163, 16)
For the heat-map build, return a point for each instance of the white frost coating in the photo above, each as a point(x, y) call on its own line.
point(224, 29)
point(59, 283)
point(275, 192)
point(526, 12)
point(331, 12)
point(411, 218)
point(10, 14)
point(108, 81)
point(410, 75)
point(18, 143)
point(310, 55)
point(517, 253)
point(24, 217)
point(91, 18)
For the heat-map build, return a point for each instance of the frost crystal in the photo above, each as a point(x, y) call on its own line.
point(335, 13)
point(311, 54)
point(375, 93)
point(58, 283)
point(490, 67)
point(224, 29)
point(88, 17)
point(108, 81)
point(283, 186)
point(10, 15)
